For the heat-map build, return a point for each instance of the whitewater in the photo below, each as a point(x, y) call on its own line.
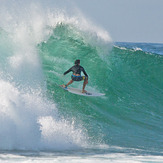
point(40, 122)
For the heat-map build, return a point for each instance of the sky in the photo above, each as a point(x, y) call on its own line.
point(126, 20)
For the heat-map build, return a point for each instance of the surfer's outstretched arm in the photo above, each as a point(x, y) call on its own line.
point(67, 71)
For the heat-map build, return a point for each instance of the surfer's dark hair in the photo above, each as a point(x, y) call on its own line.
point(77, 61)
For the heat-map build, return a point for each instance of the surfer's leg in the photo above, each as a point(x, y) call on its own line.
point(84, 84)
point(70, 82)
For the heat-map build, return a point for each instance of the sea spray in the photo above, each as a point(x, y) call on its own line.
point(37, 46)
point(29, 120)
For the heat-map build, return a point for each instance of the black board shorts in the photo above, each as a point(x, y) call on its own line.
point(78, 78)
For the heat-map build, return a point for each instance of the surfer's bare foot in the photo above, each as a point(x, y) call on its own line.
point(64, 86)
point(84, 91)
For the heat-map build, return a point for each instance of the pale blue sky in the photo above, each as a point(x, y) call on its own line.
point(126, 20)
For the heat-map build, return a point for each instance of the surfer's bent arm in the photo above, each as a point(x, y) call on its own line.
point(67, 71)
point(85, 73)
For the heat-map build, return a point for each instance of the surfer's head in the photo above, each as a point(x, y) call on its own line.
point(77, 62)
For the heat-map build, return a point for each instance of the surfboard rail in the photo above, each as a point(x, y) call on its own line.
point(78, 91)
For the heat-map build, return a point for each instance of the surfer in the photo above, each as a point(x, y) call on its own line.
point(76, 76)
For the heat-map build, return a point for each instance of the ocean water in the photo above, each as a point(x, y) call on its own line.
point(39, 122)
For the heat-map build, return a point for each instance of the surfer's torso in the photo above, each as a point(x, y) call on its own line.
point(76, 69)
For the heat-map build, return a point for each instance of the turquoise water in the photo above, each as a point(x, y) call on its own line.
point(130, 115)
point(40, 121)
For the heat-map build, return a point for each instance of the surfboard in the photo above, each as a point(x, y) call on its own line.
point(79, 91)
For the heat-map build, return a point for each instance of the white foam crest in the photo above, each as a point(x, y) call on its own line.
point(18, 117)
point(38, 17)
point(94, 29)
point(137, 49)
point(59, 134)
point(22, 60)
point(83, 157)
point(36, 22)
point(29, 121)
point(26, 115)
point(122, 48)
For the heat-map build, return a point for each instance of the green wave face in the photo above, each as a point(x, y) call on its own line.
point(36, 114)
point(130, 115)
